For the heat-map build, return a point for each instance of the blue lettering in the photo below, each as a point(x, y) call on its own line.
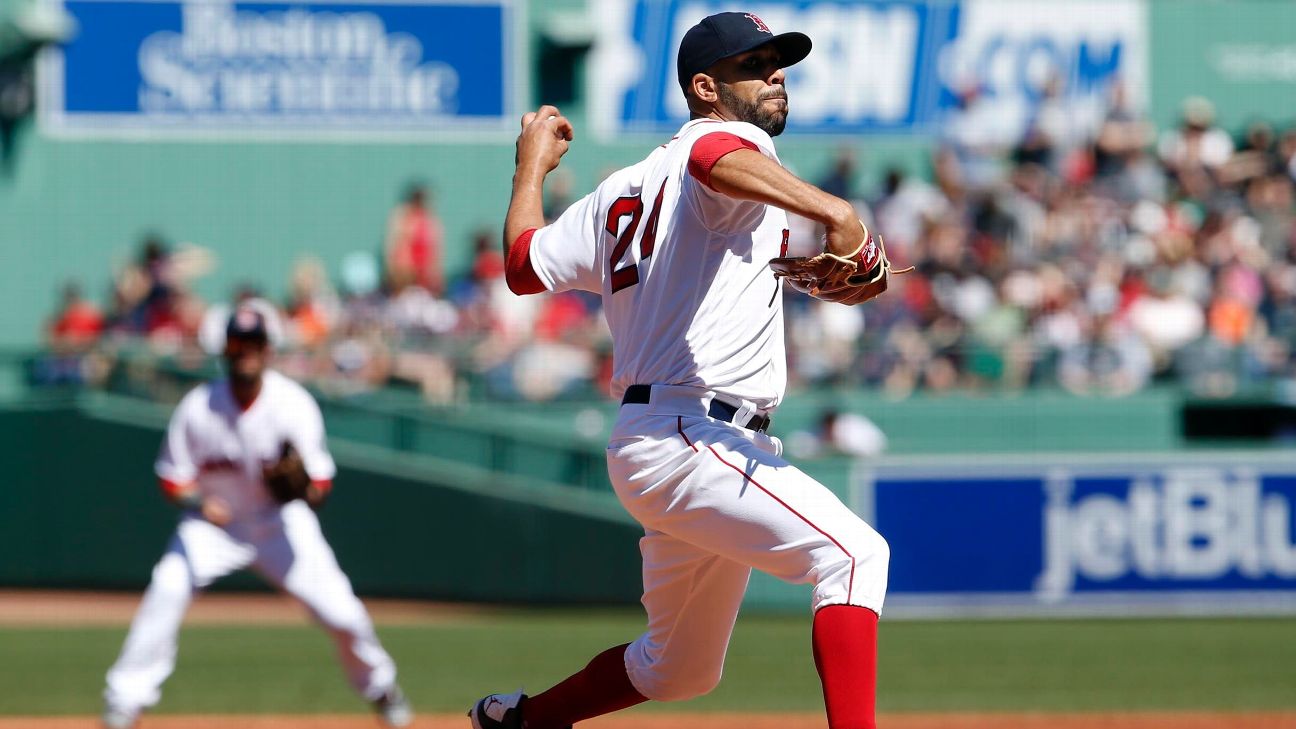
point(985, 66)
point(1032, 85)
point(1094, 71)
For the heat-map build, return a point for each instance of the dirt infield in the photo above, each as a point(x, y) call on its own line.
point(717, 721)
point(54, 608)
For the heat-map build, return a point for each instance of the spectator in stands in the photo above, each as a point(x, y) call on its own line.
point(840, 180)
point(478, 295)
point(70, 335)
point(1195, 153)
point(1114, 361)
point(1287, 152)
point(1271, 200)
point(1122, 166)
point(359, 358)
point(1278, 312)
point(1164, 317)
point(839, 433)
point(152, 298)
point(414, 244)
point(143, 293)
point(488, 262)
point(825, 339)
point(312, 309)
point(977, 139)
point(904, 210)
point(1053, 131)
point(77, 324)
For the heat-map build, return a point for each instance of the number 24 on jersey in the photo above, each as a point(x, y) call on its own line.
point(632, 206)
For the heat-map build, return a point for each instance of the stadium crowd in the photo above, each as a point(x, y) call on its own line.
point(1098, 256)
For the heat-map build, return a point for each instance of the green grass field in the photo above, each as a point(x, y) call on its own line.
point(925, 666)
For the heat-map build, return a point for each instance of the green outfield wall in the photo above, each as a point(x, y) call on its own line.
point(486, 505)
point(1240, 55)
point(521, 488)
point(490, 503)
point(81, 509)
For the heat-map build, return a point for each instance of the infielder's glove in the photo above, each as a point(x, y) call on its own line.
point(286, 479)
point(848, 280)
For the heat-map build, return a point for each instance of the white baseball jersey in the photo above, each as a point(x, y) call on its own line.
point(683, 272)
point(217, 444)
point(214, 442)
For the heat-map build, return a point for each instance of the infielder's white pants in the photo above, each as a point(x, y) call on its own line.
point(715, 501)
point(290, 551)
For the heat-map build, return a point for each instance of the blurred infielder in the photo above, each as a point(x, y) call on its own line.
point(245, 458)
point(679, 245)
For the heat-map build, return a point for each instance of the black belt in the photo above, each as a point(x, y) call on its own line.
point(642, 394)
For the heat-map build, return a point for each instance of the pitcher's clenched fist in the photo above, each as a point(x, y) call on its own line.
point(545, 138)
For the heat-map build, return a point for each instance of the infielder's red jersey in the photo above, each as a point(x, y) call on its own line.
point(683, 270)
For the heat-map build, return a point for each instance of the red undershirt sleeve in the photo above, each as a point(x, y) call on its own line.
point(170, 488)
point(709, 149)
point(519, 273)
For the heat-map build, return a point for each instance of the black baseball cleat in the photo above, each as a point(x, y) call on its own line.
point(499, 711)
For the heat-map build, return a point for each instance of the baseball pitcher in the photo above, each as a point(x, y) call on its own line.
point(245, 460)
point(687, 249)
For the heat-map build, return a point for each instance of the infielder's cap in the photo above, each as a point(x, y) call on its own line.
point(727, 34)
point(247, 324)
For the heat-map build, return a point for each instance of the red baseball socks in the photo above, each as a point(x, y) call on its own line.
point(845, 652)
point(602, 687)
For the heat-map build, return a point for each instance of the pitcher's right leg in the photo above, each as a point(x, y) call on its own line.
point(692, 599)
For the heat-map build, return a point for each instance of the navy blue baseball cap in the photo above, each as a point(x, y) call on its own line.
point(247, 324)
point(728, 34)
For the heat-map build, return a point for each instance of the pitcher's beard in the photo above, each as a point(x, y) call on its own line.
point(770, 122)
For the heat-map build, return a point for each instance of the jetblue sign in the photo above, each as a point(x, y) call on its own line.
point(883, 66)
point(345, 67)
point(1200, 528)
point(1216, 533)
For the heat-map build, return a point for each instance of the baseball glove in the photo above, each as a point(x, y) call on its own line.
point(286, 479)
point(848, 280)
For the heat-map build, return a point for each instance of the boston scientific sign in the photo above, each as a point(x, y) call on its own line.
point(216, 67)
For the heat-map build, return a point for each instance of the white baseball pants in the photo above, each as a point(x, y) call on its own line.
point(289, 550)
point(716, 500)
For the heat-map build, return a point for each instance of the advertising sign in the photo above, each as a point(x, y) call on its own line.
point(1209, 534)
point(218, 67)
point(881, 66)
